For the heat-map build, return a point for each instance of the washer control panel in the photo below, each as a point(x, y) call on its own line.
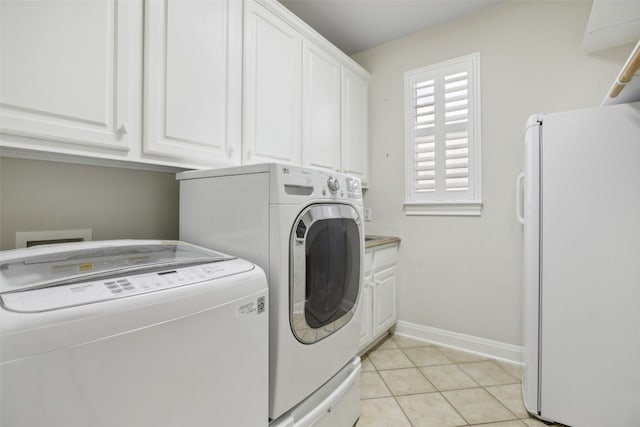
point(57, 297)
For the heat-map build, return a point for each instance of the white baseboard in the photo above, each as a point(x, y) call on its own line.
point(493, 349)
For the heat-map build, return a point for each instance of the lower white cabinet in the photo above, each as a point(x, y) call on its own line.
point(384, 300)
point(365, 313)
point(377, 306)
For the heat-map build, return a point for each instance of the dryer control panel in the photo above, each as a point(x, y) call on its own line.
point(290, 182)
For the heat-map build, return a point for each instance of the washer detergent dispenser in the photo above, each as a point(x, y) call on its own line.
point(132, 333)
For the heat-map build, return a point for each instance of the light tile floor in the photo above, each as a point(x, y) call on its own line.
point(405, 382)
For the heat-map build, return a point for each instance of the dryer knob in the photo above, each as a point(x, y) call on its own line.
point(333, 184)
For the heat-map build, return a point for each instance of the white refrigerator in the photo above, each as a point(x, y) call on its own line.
point(581, 216)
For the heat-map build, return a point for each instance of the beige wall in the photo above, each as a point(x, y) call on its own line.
point(464, 274)
point(116, 203)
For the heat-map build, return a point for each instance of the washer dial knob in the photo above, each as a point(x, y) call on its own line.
point(333, 184)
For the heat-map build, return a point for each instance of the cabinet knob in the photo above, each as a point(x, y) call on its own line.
point(124, 128)
point(230, 152)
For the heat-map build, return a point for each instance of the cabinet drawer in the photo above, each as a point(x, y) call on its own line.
point(385, 257)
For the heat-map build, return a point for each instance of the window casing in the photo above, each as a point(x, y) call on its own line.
point(442, 137)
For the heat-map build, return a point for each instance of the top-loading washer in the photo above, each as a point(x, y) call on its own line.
point(132, 333)
point(304, 228)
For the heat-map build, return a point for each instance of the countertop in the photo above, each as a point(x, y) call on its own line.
point(373, 241)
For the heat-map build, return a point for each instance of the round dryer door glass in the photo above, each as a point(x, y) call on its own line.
point(326, 252)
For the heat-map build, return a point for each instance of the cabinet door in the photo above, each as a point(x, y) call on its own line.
point(321, 108)
point(364, 313)
point(64, 74)
point(384, 300)
point(355, 122)
point(272, 88)
point(193, 80)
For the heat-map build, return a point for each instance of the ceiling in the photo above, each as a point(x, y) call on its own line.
point(357, 25)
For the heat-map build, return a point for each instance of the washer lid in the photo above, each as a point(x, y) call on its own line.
point(53, 265)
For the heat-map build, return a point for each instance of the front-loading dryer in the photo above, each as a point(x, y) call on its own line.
point(304, 228)
point(132, 333)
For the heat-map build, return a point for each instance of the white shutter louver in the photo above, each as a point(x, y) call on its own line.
point(457, 161)
point(456, 139)
point(425, 165)
point(424, 104)
point(441, 106)
point(424, 142)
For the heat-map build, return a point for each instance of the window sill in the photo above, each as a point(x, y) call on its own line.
point(443, 208)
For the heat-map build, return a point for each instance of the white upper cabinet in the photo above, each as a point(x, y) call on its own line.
point(64, 74)
point(355, 124)
point(335, 113)
point(320, 108)
point(192, 80)
point(177, 83)
point(272, 87)
point(305, 102)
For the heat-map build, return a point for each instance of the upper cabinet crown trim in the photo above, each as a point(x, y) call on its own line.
point(311, 34)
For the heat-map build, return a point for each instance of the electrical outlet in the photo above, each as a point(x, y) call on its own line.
point(368, 214)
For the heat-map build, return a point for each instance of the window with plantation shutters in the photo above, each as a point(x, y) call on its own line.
point(442, 113)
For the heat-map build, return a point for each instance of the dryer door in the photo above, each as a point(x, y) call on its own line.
point(325, 270)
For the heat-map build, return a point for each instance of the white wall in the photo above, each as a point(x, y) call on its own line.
point(464, 274)
point(115, 203)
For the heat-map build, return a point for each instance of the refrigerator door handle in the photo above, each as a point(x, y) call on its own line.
point(519, 198)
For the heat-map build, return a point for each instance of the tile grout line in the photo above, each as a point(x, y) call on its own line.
point(436, 390)
point(467, 423)
point(394, 396)
point(509, 411)
point(392, 393)
point(489, 393)
point(389, 388)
